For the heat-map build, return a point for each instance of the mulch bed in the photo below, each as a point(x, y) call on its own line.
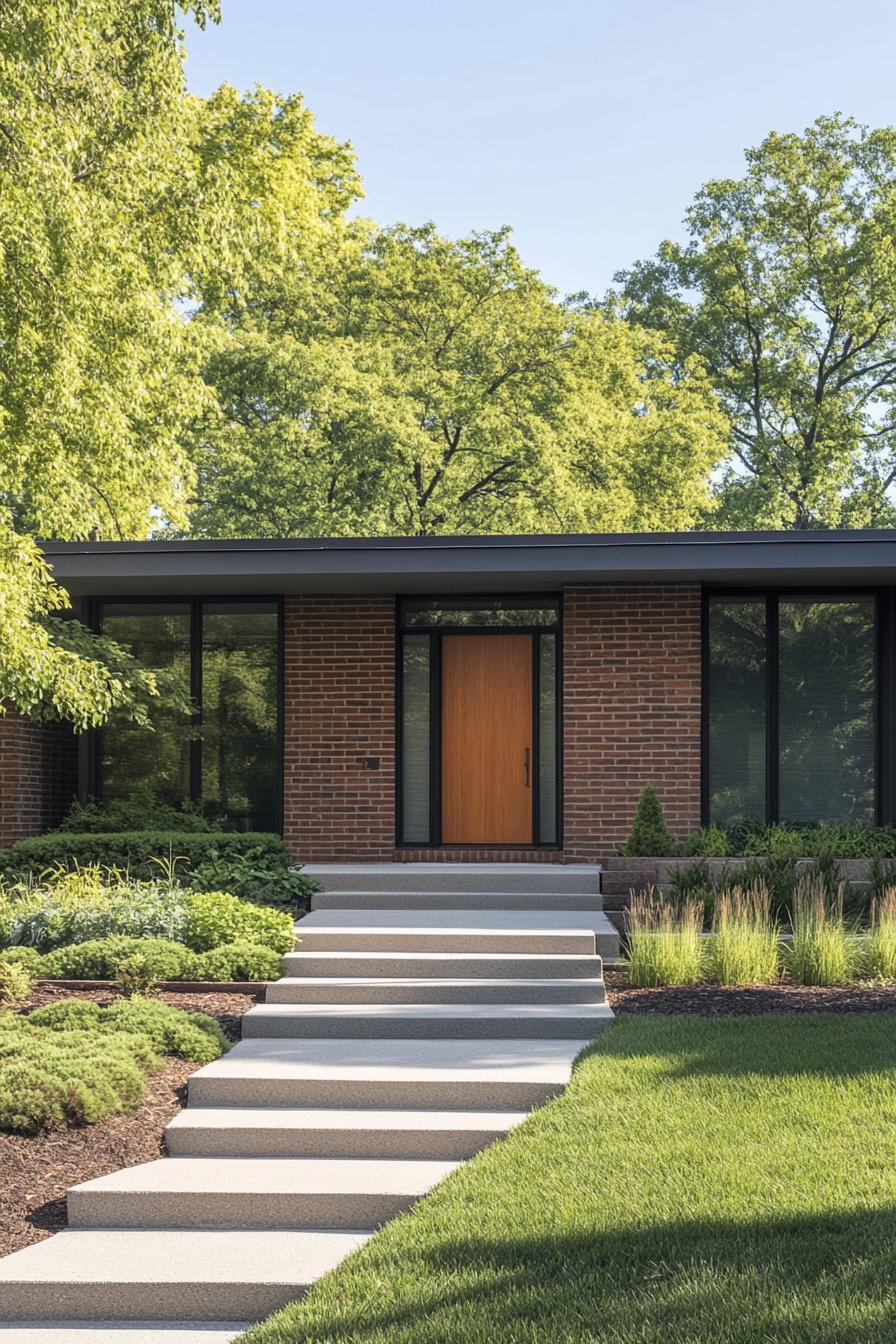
point(747, 1000)
point(36, 1172)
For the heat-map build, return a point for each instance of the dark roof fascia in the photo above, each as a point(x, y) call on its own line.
point(470, 563)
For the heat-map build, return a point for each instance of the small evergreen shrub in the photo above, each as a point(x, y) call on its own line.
point(136, 975)
point(880, 943)
point(217, 918)
point(649, 835)
point(822, 951)
point(665, 945)
point(171, 1031)
point(744, 948)
point(28, 957)
point(102, 958)
point(239, 961)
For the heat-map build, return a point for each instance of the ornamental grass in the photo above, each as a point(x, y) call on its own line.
point(745, 944)
point(665, 942)
point(823, 950)
point(880, 943)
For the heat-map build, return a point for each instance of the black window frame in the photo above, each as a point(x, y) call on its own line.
point(89, 771)
point(884, 712)
point(435, 633)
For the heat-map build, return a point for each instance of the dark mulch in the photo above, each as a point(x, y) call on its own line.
point(746, 1000)
point(36, 1172)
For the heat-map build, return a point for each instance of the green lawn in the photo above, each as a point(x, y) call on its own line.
point(720, 1181)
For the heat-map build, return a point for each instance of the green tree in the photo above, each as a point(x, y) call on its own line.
point(439, 386)
point(787, 289)
point(126, 205)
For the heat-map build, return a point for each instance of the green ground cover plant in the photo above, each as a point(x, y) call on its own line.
point(160, 959)
point(73, 1063)
point(665, 946)
point(700, 1180)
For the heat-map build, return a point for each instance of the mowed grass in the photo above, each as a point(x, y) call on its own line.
point(728, 1181)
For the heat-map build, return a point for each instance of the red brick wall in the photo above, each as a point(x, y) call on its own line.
point(339, 716)
point(38, 775)
point(631, 715)
point(631, 710)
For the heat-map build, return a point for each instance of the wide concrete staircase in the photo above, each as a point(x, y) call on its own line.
point(427, 1008)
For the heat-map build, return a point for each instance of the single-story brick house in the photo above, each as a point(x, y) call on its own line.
point(487, 698)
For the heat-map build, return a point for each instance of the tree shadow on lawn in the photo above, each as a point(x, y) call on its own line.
point(818, 1279)
point(779, 1045)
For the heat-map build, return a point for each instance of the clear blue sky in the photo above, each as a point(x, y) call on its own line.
point(586, 126)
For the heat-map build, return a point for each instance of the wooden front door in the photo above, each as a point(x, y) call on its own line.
point(487, 739)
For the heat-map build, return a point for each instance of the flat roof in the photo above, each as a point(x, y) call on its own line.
point(470, 564)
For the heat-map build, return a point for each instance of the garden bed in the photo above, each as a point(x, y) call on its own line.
point(746, 1000)
point(37, 1171)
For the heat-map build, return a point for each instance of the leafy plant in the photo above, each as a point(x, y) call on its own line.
point(239, 960)
point(744, 948)
point(665, 944)
point(709, 842)
point(649, 834)
point(135, 852)
point(822, 951)
point(258, 875)
point(880, 942)
point(217, 917)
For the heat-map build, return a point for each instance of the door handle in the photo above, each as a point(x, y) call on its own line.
point(526, 764)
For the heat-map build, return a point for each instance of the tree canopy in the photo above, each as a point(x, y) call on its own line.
point(126, 205)
point(442, 387)
point(786, 289)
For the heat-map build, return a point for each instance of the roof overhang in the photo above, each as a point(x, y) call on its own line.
point(470, 564)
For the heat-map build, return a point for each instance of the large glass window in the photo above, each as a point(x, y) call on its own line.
point(826, 693)
point(415, 739)
point(130, 757)
point(736, 693)
point(227, 655)
point(791, 708)
point(240, 771)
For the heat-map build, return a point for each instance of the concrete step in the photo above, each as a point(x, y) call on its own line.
point(226, 1131)
point(249, 1192)
point(455, 900)
point(122, 1332)
point(412, 1021)
point(393, 877)
point(435, 965)
point(438, 1075)
point(369, 989)
point(166, 1274)
point(555, 932)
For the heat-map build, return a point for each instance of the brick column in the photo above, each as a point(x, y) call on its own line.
point(339, 728)
point(38, 775)
point(631, 710)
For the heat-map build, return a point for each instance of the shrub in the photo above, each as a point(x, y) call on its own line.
point(102, 958)
point(52, 1077)
point(822, 951)
point(67, 1015)
point(256, 875)
point(27, 957)
point(710, 842)
point(136, 975)
point(239, 961)
point(136, 852)
point(649, 834)
point(217, 918)
point(665, 945)
point(171, 1031)
point(880, 943)
point(15, 984)
point(744, 949)
point(141, 810)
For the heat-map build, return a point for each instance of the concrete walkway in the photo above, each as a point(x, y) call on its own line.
point(426, 1009)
